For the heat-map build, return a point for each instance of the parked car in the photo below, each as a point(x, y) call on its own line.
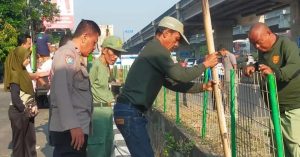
point(243, 60)
point(220, 69)
point(191, 62)
point(250, 59)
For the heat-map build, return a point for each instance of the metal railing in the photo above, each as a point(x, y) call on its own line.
point(251, 111)
point(247, 102)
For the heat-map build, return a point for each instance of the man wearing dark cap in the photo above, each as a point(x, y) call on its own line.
point(43, 43)
point(100, 142)
point(151, 70)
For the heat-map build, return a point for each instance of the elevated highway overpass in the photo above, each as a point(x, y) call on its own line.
point(230, 18)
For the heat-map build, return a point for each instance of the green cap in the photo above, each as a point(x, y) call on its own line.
point(113, 42)
point(174, 24)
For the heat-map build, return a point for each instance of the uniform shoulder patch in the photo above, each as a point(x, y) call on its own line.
point(275, 59)
point(69, 60)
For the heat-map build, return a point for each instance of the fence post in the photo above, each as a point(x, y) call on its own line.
point(165, 100)
point(275, 114)
point(115, 72)
point(232, 112)
point(205, 102)
point(124, 72)
point(127, 69)
point(177, 108)
point(33, 60)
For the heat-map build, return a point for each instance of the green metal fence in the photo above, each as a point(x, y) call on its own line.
point(120, 73)
point(248, 102)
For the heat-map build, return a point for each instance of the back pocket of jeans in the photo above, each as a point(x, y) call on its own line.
point(123, 124)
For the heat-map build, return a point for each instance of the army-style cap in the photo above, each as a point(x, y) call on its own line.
point(113, 42)
point(174, 24)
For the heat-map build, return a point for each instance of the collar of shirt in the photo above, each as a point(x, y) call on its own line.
point(74, 48)
point(104, 65)
point(83, 60)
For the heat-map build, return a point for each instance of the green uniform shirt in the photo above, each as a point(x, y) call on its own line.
point(284, 60)
point(154, 68)
point(99, 75)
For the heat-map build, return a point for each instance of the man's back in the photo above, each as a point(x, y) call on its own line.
point(42, 41)
point(228, 61)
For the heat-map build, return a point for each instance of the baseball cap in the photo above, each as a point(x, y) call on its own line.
point(174, 24)
point(113, 42)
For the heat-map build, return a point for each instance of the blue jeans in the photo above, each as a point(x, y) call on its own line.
point(132, 125)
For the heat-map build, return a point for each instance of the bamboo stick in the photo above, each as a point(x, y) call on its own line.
point(217, 91)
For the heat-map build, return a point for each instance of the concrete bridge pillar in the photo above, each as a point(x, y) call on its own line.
point(250, 20)
point(295, 20)
point(223, 36)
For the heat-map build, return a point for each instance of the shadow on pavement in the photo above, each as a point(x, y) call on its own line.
point(42, 135)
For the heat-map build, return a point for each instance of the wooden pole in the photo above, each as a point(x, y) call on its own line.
point(217, 91)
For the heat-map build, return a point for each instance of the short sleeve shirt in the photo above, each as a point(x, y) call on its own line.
point(42, 41)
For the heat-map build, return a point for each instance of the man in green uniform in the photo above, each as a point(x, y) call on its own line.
point(100, 142)
point(151, 70)
point(280, 56)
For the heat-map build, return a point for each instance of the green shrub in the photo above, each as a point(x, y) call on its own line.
point(182, 146)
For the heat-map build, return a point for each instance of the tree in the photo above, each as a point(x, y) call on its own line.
point(40, 11)
point(12, 12)
point(17, 15)
point(21, 13)
point(8, 39)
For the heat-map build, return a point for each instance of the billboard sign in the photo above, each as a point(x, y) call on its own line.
point(66, 19)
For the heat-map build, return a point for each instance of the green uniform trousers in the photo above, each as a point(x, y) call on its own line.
point(101, 141)
point(290, 124)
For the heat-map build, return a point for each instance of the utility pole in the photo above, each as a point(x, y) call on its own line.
point(28, 17)
point(126, 31)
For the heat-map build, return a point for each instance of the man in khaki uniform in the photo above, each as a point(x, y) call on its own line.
point(71, 97)
point(100, 143)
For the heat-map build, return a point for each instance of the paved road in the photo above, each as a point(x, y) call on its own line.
point(41, 124)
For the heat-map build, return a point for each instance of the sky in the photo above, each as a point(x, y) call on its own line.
point(122, 14)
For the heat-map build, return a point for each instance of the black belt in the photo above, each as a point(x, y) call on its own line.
point(141, 108)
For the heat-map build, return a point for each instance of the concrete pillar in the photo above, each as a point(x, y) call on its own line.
point(223, 36)
point(295, 19)
point(178, 11)
point(250, 20)
point(182, 47)
point(197, 45)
